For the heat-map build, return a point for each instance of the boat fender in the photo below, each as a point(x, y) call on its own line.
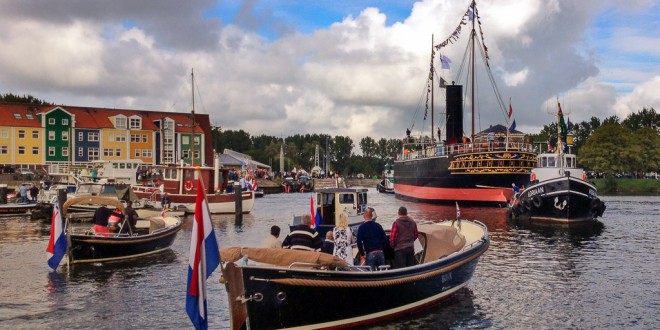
point(537, 201)
point(595, 204)
point(188, 185)
point(527, 204)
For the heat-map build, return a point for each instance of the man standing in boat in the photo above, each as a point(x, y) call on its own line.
point(402, 239)
point(371, 240)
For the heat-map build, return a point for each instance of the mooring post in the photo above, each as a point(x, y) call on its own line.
point(239, 202)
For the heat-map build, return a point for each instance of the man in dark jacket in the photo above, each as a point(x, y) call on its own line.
point(371, 241)
point(402, 239)
point(303, 236)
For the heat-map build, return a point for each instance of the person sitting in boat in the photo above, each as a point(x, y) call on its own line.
point(329, 243)
point(272, 241)
point(102, 220)
point(371, 241)
point(303, 236)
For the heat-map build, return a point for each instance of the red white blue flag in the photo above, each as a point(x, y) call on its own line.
point(458, 211)
point(512, 121)
point(316, 217)
point(204, 259)
point(57, 244)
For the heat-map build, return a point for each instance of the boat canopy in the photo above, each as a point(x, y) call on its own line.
point(281, 257)
point(440, 241)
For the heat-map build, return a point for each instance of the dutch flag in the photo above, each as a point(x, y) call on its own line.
point(512, 121)
point(57, 245)
point(458, 211)
point(204, 259)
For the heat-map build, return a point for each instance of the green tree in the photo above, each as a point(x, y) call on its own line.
point(341, 150)
point(11, 98)
point(368, 146)
point(648, 140)
point(644, 118)
point(611, 148)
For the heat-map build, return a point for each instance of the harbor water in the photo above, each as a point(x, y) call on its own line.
point(532, 277)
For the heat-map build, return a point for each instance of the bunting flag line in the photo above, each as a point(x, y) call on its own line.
point(57, 244)
point(203, 260)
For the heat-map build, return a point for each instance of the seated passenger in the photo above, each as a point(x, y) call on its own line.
point(303, 236)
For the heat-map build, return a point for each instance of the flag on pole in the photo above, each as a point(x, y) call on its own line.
point(443, 83)
point(445, 61)
point(470, 14)
point(57, 244)
point(204, 259)
point(312, 210)
point(512, 121)
point(458, 211)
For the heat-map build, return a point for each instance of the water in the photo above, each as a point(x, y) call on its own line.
point(530, 278)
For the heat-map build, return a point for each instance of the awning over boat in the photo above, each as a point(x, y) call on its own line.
point(440, 240)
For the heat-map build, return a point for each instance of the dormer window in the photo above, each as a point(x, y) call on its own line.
point(29, 116)
point(135, 123)
point(120, 122)
point(18, 116)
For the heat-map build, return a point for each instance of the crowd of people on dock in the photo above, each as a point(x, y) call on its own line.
point(371, 241)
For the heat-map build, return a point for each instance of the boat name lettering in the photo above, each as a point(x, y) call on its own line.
point(535, 191)
point(446, 277)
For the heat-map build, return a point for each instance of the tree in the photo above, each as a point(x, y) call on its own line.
point(341, 151)
point(648, 140)
point(11, 98)
point(611, 148)
point(368, 146)
point(644, 118)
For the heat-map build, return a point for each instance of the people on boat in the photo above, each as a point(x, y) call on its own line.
point(34, 192)
point(516, 190)
point(329, 243)
point(303, 236)
point(23, 192)
point(131, 216)
point(402, 239)
point(371, 241)
point(165, 201)
point(273, 240)
point(344, 239)
point(105, 219)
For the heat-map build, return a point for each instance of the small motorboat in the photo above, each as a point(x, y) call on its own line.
point(152, 235)
point(331, 202)
point(282, 288)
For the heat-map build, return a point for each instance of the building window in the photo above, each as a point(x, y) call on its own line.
point(65, 151)
point(93, 154)
point(65, 135)
point(120, 122)
point(51, 151)
point(185, 154)
point(137, 153)
point(21, 134)
point(80, 152)
point(135, 138)
point(4, 150)
point(80, 136)
point(136, 123)
point(146, 153)
point(5, 133)
point(51, 121)
point(93, 136)
point(35, 134)
point(118, 152)
point(120, 138)
point(185, 140)
point(144, 138)
point(35, 150)
point(21, 150)
point(108, 152)
point(51, 135)
point(65, 121)
point(29, 116)
point(196, 153)
point(18, 116)
point(196, 139)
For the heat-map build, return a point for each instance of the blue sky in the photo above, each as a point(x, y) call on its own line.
point(350, 68)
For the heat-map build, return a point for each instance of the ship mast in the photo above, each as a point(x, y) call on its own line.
point(432, 75)
point(192, 133)
point(473, 34)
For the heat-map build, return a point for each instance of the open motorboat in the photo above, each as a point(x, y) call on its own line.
point(282, 288)
point(152, 235)
point(331, 202)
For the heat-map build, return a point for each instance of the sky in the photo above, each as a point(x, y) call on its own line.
point(344, 67)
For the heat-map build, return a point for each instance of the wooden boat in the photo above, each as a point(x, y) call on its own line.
point(153, 235)
point(472, 169)
point(559, 191)
point(16, 208)
point(281, 288)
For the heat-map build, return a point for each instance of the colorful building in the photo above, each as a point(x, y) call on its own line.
point(37, 135)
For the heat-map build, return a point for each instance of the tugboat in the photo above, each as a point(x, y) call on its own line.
point(558, 190)
point(387, 184)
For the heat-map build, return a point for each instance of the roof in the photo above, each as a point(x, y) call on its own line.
point(499, 128)
point(243, 159)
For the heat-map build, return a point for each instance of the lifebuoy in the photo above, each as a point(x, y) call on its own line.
point(188, 185)
point(537, 201)
point(532, 177)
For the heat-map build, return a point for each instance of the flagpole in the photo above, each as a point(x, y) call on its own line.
point(508, 125)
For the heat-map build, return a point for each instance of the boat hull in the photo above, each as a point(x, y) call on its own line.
point(15, 208)
point(90, 248)
point(566, 200)
point(218, 203)
point(432, 179)
point(293, 298)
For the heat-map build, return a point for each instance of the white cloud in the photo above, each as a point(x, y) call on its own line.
point(645, 95)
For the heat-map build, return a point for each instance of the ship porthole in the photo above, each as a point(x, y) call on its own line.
point(281, 296)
